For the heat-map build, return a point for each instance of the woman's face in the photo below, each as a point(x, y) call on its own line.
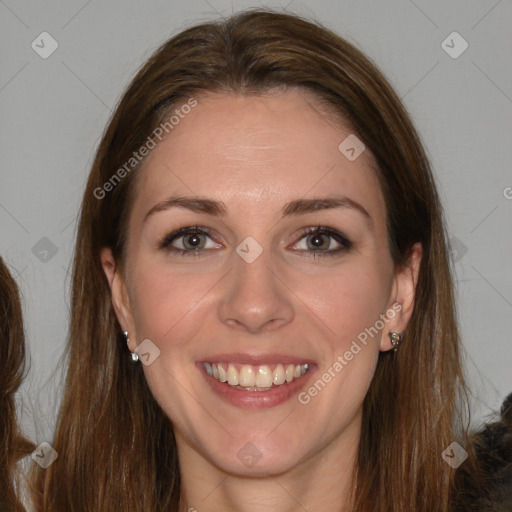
point(288, 266)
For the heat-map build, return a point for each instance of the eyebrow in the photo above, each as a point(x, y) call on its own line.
point(208, 206)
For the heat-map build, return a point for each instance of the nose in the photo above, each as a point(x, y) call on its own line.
point(255, 296)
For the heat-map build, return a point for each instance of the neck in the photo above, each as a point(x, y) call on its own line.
point(320, 482)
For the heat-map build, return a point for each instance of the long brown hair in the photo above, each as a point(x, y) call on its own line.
point(13, 445)
point(117, 446)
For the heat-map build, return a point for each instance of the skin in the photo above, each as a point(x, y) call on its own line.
point(255, 154)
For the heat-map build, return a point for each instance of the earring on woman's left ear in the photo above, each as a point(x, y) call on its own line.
point(395, 338)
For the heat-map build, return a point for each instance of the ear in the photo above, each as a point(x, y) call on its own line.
point(118, 292)
point(401, 304)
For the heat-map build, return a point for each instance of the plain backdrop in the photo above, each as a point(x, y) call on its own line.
point(53, 111)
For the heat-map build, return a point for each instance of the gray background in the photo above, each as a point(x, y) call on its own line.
point(53, 112)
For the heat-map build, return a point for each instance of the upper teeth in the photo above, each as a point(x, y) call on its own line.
point(249, 376)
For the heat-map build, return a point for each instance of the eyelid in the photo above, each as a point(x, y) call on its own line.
point(165, 242)
point(345, 243)
point(167, 239)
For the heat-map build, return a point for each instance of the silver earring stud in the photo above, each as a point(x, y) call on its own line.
point(134, 356)
point(395, 338)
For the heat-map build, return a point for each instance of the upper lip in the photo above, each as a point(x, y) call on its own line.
point(256, 359)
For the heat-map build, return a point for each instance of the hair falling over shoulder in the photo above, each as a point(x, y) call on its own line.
point(116, 447)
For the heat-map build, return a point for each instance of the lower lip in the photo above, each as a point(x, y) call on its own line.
point(256, 399)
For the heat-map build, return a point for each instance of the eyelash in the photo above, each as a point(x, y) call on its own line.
point(166, 241)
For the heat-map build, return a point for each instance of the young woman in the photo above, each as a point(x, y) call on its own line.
point(262, 306)
point(13, 446)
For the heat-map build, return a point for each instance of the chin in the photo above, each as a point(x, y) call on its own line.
point(253, 461)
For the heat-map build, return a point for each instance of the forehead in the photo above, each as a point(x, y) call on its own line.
point(266, 149)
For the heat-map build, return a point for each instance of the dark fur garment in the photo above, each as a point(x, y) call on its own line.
point(485, 483)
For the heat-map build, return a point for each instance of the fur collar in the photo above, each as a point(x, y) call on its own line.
point(484, 480)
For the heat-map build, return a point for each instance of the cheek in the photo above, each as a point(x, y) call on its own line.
point(164, 299)
point(347, 302)
point(170, 309)
point(350, 305)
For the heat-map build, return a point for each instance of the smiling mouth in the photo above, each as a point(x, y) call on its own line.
point(248, 377)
